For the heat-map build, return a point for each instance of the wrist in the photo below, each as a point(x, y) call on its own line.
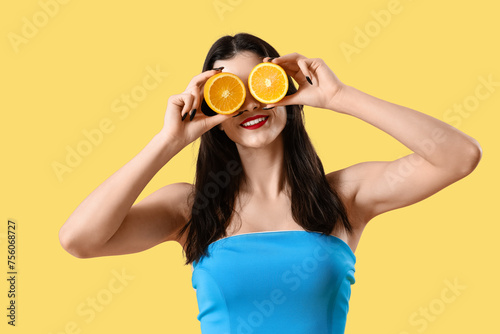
point(167, 146)
point(343, 99)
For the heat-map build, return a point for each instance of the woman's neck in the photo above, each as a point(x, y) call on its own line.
point(264, 169)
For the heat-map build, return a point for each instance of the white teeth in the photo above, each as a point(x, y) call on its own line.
point(255, 121)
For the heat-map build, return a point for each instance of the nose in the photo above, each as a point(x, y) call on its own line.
point(250, 103)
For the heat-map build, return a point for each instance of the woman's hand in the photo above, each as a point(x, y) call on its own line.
point(321, 90)
point(183, 124)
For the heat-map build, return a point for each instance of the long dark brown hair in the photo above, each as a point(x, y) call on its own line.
point(315, 205)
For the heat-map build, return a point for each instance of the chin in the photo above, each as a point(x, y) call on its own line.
point(257, 140)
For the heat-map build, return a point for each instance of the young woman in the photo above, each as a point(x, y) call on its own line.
point(271, 237)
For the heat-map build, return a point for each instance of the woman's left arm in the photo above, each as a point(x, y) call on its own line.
point(441, 153)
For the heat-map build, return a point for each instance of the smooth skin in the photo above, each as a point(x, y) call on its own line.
point(107, 223)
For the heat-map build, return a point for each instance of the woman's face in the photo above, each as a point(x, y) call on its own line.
point(241, 65)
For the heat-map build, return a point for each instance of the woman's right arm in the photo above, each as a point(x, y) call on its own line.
point(90, 229)
point(106, 223)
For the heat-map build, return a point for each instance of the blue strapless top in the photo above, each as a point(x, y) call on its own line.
point(274, 282)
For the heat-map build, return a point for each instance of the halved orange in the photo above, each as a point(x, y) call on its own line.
point(268, 82)
point(224, 93)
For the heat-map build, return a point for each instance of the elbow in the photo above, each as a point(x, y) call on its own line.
point(470, 156)
point(69, 246)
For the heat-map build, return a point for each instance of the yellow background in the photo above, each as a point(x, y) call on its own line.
point(65, 77)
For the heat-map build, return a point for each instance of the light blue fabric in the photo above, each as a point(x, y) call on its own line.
point(293, 282)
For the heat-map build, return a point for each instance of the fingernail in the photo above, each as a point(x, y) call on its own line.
point(192, 114)
point(238, 114)
point(309, 80)
point(219, 68)
point(271, 58)
point(184, 116)
point(267, 108)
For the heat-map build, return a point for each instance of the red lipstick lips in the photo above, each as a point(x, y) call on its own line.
point(252, 118)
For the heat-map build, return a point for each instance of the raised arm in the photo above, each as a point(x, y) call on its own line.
point(441, 153)
point(91, 228)
point(106, 223)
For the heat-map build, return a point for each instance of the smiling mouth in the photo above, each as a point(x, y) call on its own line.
point(255, 121)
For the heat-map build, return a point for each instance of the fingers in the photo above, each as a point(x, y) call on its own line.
point(289, 66)
point(200, 79)
point(188, 100)
point(196, 103)
point(185, 103)
point(291, 57)
point(304, 65)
